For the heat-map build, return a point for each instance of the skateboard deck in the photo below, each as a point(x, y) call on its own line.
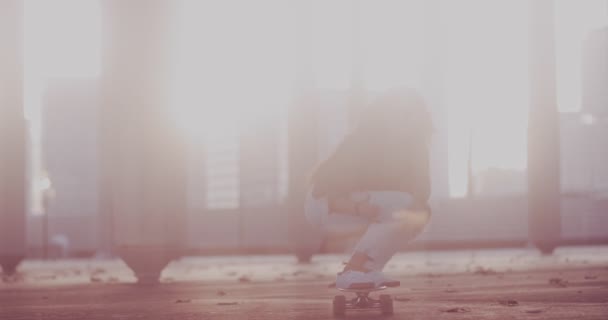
point(362, 300)
point(363, 289)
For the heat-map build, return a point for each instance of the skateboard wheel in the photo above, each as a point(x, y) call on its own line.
point(386, 304)
point(339, 306)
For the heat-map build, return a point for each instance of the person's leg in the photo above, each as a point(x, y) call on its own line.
point(378, 241)
point(337, 224)
point(381, 240)
point(396, 227)
point(339, 227)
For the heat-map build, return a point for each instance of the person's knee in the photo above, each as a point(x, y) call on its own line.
point(411, 223)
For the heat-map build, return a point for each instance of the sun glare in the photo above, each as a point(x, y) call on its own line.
point(231, 67)
point(229, 72)
point(234, 70)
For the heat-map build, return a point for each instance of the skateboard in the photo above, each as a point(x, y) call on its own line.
point(363, 301)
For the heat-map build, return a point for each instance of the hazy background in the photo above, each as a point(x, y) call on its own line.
point(232, 72)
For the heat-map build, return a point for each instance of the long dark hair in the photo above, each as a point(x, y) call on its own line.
point(388, 150)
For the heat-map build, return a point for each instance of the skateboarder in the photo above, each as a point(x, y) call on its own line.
point(375, 186)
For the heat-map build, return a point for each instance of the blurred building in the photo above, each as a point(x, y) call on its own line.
point(70, 158)
point(239, 168)
point(584, 143)
point(260, 169)
point(595, 73)
point(581, 153)
point(501, 182)
point(237, 183)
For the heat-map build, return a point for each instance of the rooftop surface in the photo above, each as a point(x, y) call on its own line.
point(481, 284)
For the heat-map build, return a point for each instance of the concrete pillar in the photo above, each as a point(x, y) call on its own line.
point(12, 138)
point(543, 132)
point(302, 140)
point(143, 155)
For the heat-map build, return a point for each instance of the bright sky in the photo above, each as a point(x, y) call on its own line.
point(215, 82)
point(62, 38)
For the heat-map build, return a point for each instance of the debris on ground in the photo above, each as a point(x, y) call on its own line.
point(401, 299)
point(534, 311)
point(95, 279)
point(183, 301)
point(456, 310)
point(97, 271)
point(450, 290)
point(62, 273)
point(46, 277)
point(227, 303)
point(484, 271)
point(221, 293)
point(590, 277)
point(431, 275)
point(508, 302)
point(231, 273)
point(244, 279)
point(558, 282)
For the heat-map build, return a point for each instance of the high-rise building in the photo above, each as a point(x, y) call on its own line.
point(259, 165)
point(584, 154)
point(70, 157)
point(584, 135)
point(595, 73)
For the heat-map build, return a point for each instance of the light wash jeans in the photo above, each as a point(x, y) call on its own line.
point(381, 239)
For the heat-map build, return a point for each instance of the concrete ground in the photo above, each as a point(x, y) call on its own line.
point(483, 284)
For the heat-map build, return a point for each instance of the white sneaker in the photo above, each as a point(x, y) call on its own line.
point(351, 279)
point(381, 280)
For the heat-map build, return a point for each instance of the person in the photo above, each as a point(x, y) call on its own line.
point(375, 186)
